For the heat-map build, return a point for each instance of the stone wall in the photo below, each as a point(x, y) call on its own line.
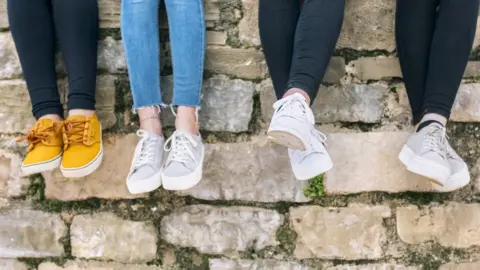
point(367, 213)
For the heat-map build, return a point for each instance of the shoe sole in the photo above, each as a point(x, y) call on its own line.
point(84, 170)
point(287, 139)
point(145, 185)
point(45, 166)
point(461, 179)
point(424, 167)
point(324, 167)
point(184, 182)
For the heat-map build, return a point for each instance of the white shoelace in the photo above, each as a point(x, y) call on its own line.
point(180, 145)
point(312, 149)
point(147, 152)
point(436, 140)
point(294, 107)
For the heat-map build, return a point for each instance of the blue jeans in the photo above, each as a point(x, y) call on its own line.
point(139, 23)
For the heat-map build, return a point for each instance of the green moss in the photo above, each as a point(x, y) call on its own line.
point(36, 187)
point(315, 187)
point(190, 259)
point(109, 32)
point(56, 206)
point(286, 237)
point(351, 54)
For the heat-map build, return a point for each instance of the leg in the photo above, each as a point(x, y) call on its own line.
point(32, 29)
point(139, 22)
point(277, 24)
point(187, 37)
point(415, 23)
point(76, 24)
point(450, 49)
point(317, 33)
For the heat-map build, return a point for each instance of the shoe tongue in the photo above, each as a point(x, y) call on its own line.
point(44, 123)
point(77, 118)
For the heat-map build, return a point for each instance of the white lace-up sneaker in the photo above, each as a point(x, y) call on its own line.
point(293, 126)
point(183, 169)
point(292, 122)
point(313, 161)
point(146, 170)
point(425, 153)
point(460, 175)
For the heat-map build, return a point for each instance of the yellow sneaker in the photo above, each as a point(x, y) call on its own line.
point(83, 150)
point(45, 147)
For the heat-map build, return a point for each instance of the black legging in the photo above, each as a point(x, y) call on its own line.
point(434, 40)
point(35, 25)
point(298, 41)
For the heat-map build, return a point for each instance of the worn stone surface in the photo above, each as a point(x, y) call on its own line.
point(3, 14)
point(222, 264)
point(368, 25)
point(105, 99)
point(351, 103)
point(95, 265)
point(466, 107)
point(109, 13)
point(248, 171)
point(9, 62)
point(352, 233)
point(7, 264)
point(11, 181)
point(107, 237)
point(335, 71)
point(227, 105)
point(383, 266)
point(352, 153)
point(221, 230)
point(216, 38)
point(107, 182)
point(30, 233)
point(376, 68)
point(15, 107)
point(248, 27)
point(461, 266)
point(472, 70)
point(452, 225)
point(241, 63)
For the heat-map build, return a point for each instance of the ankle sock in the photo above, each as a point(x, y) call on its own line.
point(426, 123)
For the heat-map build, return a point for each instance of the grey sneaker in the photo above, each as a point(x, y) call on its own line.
point(460, 175)
point(314, 160)
point(183, 169)
point(425, 153)
point(146, 170)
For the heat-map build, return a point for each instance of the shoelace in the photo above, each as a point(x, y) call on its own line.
point(436, 141)
point(34, 136)
point(148, 149)
point(293, 107)
point(312, 149)
point(74, 132)
point(180, 145)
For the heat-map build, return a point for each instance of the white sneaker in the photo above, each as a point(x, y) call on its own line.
point(292, 122)
point(425, 153)
point(146, 170)
point(460, 176)
point(183, 169)
point(313, 161)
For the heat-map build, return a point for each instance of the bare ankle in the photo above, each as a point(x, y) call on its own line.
point(54, 117)
point(187, 119)
point(150, 120)
point(292, 91)
point(81, 112)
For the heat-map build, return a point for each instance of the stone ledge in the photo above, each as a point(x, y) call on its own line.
point(95, 265)
point(461, 266)
point(455, 225)
point(355, 232)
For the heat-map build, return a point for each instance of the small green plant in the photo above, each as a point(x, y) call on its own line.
point(315, 187)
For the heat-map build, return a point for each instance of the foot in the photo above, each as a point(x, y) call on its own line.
point(183, 169)
point(292, 122)
point(146, 170)
point(314, 160)
point(426, 154)
point(83, 150)
point(460, 175)
point(45, 147)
